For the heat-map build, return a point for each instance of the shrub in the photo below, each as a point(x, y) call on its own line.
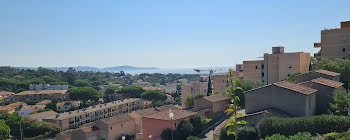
point(317, 124)
point(276, 137)
point(244, 133)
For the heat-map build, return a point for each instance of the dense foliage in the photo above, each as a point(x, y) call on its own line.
point(83, 93)
point(191, 97)
point(4, 130)
point(132, 91)
point(298, 136)
point(31, 128)
point(243, 133)
point(155, 96)
point(341, 102)
point(315, 125)
point(341, 66)
point(338, 136)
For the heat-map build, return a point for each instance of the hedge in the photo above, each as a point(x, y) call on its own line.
point(315, 125)
point(244, 133)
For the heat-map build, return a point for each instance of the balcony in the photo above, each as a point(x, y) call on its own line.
point(317, 45)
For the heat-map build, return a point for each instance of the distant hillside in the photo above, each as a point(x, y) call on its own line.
point(86, 68)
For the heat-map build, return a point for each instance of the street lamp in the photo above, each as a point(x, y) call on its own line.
point(123, 137)
point(150, 136)
point(171, 116)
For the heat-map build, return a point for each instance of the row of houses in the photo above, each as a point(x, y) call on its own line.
point(143, 124)
point(39, 95)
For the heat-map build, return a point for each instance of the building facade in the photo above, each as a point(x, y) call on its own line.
point(214, 103)
point(40, 95)
point(335, 43)
point(47, 87)
point(74, 119)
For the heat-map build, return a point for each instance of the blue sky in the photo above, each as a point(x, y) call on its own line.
point(160, 33)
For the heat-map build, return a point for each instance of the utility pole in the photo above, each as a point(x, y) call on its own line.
point(20, 129)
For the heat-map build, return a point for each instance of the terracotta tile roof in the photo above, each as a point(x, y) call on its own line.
point(32, 107)
point(273, 112)
point(42, 92)
point(117, 119)
point(297, 88)
point(327, 82)
point(327, 72)
point(6, 108)
point(17, 104)
point(44, 102)
point(5, 93)
point(42, 115)
point(149, 111)
point(215, 98)
point(164, 115)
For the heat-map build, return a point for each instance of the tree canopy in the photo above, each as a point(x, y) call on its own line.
point(83, 93)
point(341, 102)
point(4, 130)
point(132, 91)
point(154, 96)
point(111, 90)
point(191, 97)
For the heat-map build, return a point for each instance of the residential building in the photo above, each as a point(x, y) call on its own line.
point(17, 105)
point(40, 95)
point(276, 66)
point(44, 102)
point(214, 103)
point(163, 121)
point(74, 119)
point(335, 43)
point(88, 132)
point(41, 115)
point(9, 69)
point(324, 94)
point(316, 74)
point(27, 110)
point(5, 94)
point(7, 109)
point(200, 87)
point(114, 127)
point(219, 82)
point(67, 105)
point(293, 99)
point(47, 87)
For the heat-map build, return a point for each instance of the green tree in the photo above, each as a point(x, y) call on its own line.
point(233, 123)
point(210, 89)
point(132, 91)
point(154, 96)
point(191, 97)
point(167, 134)
point(292, 78)
point(81, 83)
point(341, 102)
point(198, 123)
point(193, 138)
point(111, 90)
point(4, 130)
point(184, 129)
point(84, 94)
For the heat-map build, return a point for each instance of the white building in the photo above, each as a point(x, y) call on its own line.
point(47, 87)
point(65, 106)
point(27, 110)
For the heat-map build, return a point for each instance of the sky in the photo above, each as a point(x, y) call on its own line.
point(159, 33)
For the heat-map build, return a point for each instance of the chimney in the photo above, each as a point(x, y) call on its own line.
point(278, 50)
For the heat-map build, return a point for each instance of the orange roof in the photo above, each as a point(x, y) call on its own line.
point(297, 88)
point(6, 108)
point(117, 119)
point(164, 115)
point(32, 107)
point(327, 82)
point(42, 115)
point(42, 92)
point(327, 72)
point(44, 102)
point(216, 98)
point(17, 104)
point(5, 93)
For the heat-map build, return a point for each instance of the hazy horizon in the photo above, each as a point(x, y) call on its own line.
point(162, 34)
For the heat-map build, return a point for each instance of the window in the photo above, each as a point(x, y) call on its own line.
point(343, 37)
point(175, 125)
point(256, 67)
point(343, 49)
point(288, 74)
point(110, 127)
point(290, 66)
point(262, 74)
point(121, 125)
point(262, 66)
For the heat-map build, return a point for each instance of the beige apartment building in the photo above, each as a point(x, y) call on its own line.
point(335, 43)
point(40, 95)
point(276, 66)
point(74, 119)
point(200, 87)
